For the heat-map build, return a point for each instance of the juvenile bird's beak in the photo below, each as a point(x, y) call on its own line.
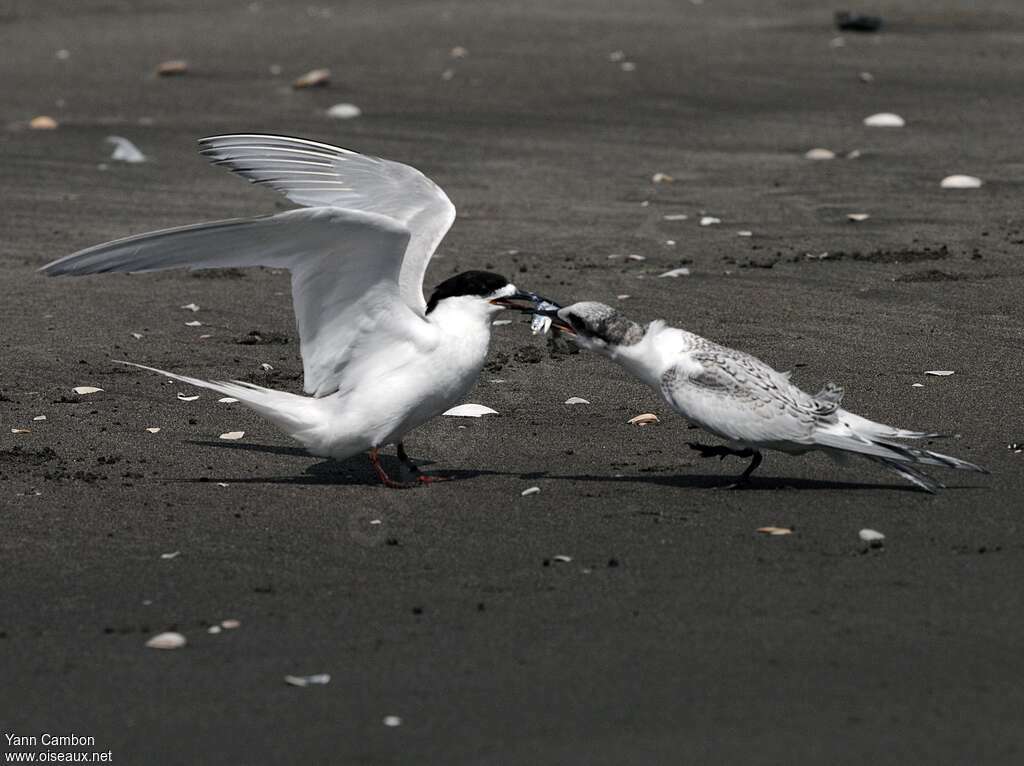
point(561, 325)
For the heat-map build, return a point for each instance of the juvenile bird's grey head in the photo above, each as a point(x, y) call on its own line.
point(598, 326)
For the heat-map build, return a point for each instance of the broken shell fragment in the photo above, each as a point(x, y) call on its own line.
point(820, 154)
point(709, 220)
point(648, 418)
point(662, 178)
point(43, 122)
point(194, 323)
point(169, 640)
point(857, 217)
point(230, 624)
point(675, 217)
point(125, 150)
point(315, 680)
point(344, 111)
point(228, 400)
point(939, 373)
point(315, 78)
point(885, 120)
point(872, 537)
point(562, 558)
point(82, 390)
point(193, 307)
point(682, 271)
point(186, 398)
point(961, 182)
point(153, 430)
point(233, 435)
point(172, 68)
point(392, 721)
point(775, 531)
point(576, 400)
point(469, 411)
point(530, 491)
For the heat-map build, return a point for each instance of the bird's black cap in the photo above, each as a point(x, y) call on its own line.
point(480, 283)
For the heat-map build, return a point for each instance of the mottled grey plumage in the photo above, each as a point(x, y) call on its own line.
point(743, 400)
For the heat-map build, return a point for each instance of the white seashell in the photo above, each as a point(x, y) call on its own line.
point(125, 150)
point(866, 77)
point(193, 307)
point(447, 74)
point(458, 52)
point(266, 367)
point(187, 398)
point(392, 720)
point(820, 154)
point(172, 68)
point(670, 242)
point(530, 491)
point(222, 484)
point(675, 217)
point(194, 323)
point(576, 400)
point(228, 400)
point(635, 257)
point(744, 233)
point(168, 640)
point(775, 531)
point(20, 431)
point(233, 435)
point(344, 111)
point(313, 79)
point(43, 122)
point(137, 335)
point(562, 558)
point(885, 120)
point(318, 680)
point(616, 56)
point(917, 385)
point(469, 411)
point(857, 217)
point(662, 178)
point(230, 624)
point(82, 390)
point(501, 322)
point(153, 430)
point(853, 154)
point(213, 629)
point(628, 66)
point(674, 273)
point(622, 297)
point(39, 417)
point(171, 555)
point(646, 419)
point(939, 373)
point(870, 536)
point(709, 220)
point(961, 182)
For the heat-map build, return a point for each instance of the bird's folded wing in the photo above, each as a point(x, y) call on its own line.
point(739, 398)
point(315, 174)
point(344, 266)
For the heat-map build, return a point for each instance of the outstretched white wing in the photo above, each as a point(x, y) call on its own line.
point(314, 174)
point(345, 267)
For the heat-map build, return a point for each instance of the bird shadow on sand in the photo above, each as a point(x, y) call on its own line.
point(718, 481)
point(352, 471)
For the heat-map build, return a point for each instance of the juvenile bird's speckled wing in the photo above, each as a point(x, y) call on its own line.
point(740, 398)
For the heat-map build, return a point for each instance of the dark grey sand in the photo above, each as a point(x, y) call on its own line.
point(676, 634)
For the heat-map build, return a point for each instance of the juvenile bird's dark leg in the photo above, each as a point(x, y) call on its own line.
point(386, 480)
point(723, 452)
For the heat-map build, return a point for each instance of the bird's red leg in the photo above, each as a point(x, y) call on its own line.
point(386, 480)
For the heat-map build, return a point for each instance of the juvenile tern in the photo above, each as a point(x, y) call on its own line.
point(743, 400)
point(378, 359)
